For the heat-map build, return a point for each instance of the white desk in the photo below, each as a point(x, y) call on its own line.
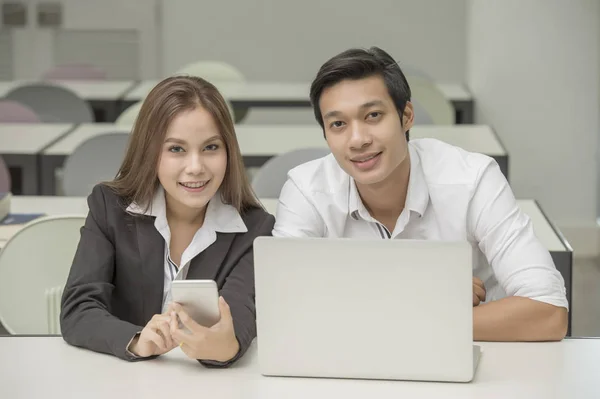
point(80, 134)
point(108, 90)
point(259, 143)
point(284, 91)
point(103, 95)
point(48, 205)
point(19, 145)
point(292, 94)
point(35, 367)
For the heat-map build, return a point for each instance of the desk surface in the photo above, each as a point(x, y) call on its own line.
point(247, 91)
point(32, 367)
point(80, 134)
point(108, 90)
point(271, 140)
point(51, 206)
point(25, 138)
point(285, 91)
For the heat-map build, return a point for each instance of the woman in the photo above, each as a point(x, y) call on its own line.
point(180, 207)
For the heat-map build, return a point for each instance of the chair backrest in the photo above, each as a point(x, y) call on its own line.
point(36, 259)
point(53, 103)
point(74, 72)
point(14, 112)
point(270, 178)
point(411, 70)
point(422, 116)
point(129, 115)
point(95, 160)
point(426, 93)
point(213, 71)
point(5, 183)
point(217, 72)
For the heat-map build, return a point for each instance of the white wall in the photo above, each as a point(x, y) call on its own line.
point(533, 66)
point(120, 35)
point(290, 39)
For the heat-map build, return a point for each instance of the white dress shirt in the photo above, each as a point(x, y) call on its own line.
point(452, 195)
point(219, 217)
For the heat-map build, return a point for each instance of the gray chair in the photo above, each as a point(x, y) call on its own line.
point(5, 184)
point(94, 161)
point(53, 104)
point(422, 117)
point(30, 293)
point(270, 178)
point(217, 73)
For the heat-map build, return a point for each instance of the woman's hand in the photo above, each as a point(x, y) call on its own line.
point(202, 343)
point(155, 339)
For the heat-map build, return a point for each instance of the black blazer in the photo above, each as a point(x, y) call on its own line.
point(115, 285)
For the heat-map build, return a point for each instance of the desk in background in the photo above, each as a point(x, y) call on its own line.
point(19, 145)
point(293, 95)
point(32, 367)
point(47, 205)
point(109, 98)
point(259, 143)
point(104, 96)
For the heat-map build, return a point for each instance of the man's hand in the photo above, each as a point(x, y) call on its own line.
point(478, 291)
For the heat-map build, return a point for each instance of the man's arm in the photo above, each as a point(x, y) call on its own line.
point(519, 319)
point(296, 215)
point(536, 306)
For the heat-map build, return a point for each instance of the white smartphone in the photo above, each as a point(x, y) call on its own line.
point(199, 298)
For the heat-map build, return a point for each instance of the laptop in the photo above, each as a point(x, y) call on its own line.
point(365, 309)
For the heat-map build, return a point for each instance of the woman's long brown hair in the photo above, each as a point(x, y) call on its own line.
point(137, 178)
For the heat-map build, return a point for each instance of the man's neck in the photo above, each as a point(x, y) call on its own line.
point(385, 200)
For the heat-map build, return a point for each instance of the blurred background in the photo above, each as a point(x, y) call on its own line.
point(518, 80)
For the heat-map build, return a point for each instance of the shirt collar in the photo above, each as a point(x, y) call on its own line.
point(220, 217)
point(417, 195)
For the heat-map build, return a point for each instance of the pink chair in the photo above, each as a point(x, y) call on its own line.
point(4, 177)
point(74, 72)
point(15, 112)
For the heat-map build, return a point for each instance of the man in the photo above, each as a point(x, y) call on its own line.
point(378, 184)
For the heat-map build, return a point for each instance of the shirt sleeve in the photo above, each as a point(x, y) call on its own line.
point(521, 264)
point(296, 215)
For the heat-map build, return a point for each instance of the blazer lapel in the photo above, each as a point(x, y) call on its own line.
point(151, 246)
point(208, 263)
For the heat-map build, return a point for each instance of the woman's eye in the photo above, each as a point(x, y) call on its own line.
point(176, 148)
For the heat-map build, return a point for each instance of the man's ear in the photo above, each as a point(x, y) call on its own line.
point(408, 116)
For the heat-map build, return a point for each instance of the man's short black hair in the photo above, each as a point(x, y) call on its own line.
point(357, 64)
